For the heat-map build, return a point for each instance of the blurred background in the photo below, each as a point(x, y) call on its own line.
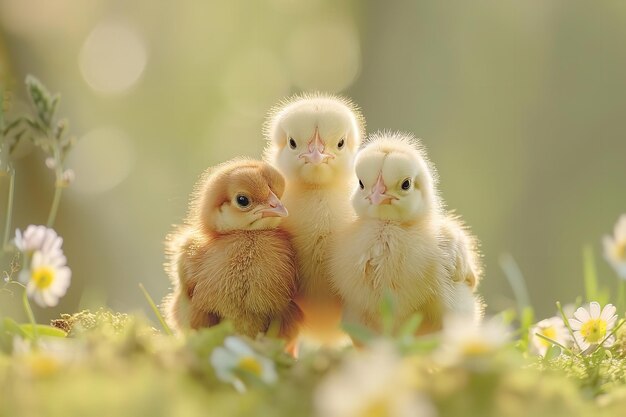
point(520, 105)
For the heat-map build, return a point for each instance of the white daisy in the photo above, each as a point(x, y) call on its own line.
point(371, 383)
point(46, 278)
point(236, 358)
point(464, 340)
point(39, 238)
point(552, 328)
point(591, 326)
point(615, 247)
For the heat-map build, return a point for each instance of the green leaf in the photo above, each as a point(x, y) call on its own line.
point(387, 313)
point(358, 332)
point(45, 104)
point(553, 352)
point(409, 327)
point(14, 329)
point(42, 330)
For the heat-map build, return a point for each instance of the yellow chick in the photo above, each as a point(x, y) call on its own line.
point(230, 260)
point(312, 140)
point(403, 242)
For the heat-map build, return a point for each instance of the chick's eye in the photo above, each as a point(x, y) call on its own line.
point(341, 143)
point(406, 184)
point(361, 184)
point(292, 143)
point(243, 201)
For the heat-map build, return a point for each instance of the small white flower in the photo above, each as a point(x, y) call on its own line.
point(45, 273)
point(237, 358)
point(371, 383)
point(47, 278)
point(615, 247)
point(51, 162)
point(591, 326)
point(465, 340)
point(39, 238)
point(68, 177)
point(552, 328)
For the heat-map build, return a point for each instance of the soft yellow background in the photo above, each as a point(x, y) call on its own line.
point(521, 105)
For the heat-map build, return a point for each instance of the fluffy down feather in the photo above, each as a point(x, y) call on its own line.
point(402, 241)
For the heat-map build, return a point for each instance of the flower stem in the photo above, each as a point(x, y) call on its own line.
point(58, 190)
point(554, 342)
point(31, 317)
point(155, 310)
point(9, 215)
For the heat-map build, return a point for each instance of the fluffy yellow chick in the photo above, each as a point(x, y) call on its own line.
point(312, 140)
point(230, 260)
point(403, 242)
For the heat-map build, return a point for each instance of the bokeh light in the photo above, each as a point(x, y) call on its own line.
point(101, 159)
point(112, 58)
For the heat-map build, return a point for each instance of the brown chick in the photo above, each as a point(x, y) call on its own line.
point(230, 260)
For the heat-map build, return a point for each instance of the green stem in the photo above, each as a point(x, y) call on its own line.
point(9, 215)
point(31, 317)
point(156, 311)
point(58, 190)
point(571, 332)
point(554, 342)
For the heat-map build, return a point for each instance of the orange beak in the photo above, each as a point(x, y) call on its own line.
point(378, 196)
point(274, 208)
point(316, 154)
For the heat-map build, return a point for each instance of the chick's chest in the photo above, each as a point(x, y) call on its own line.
point(395, 260)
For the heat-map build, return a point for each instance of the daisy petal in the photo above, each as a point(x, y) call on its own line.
point(575, 324)
point(49, 299)
point(608, 312)
point(582, 315)
point(594, 309)
point(238, 346)
point(609, 342)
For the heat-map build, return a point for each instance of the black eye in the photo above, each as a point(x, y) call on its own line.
point(341, 143)
point(361, 184)
point(406, 184)
point(292, 143)
point(243, 201)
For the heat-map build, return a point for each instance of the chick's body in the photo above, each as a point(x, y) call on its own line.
point(312, 140)
point(376, 258)
point(231, 260)
point(402, 243)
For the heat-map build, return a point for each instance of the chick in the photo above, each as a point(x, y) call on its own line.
point(230, 260)
point(312, 140)
point(403, 243)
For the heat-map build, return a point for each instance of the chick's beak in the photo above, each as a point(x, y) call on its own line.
point(273, 208)
point(378, 196)
point(316, 154)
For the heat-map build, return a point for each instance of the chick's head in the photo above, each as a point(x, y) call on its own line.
point(241, 194)
point(396, 180)
point(312, 139)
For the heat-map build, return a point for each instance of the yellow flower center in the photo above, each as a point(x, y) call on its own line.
point(42, 277)
point(619, 250)
point(377, 408)
point(549, 332)
point(475, 348)
point(594, 330)
point(251, 365)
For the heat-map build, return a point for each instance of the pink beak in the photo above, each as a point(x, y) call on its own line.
point(316, 154)
point(378, 196)
point(274, 208)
